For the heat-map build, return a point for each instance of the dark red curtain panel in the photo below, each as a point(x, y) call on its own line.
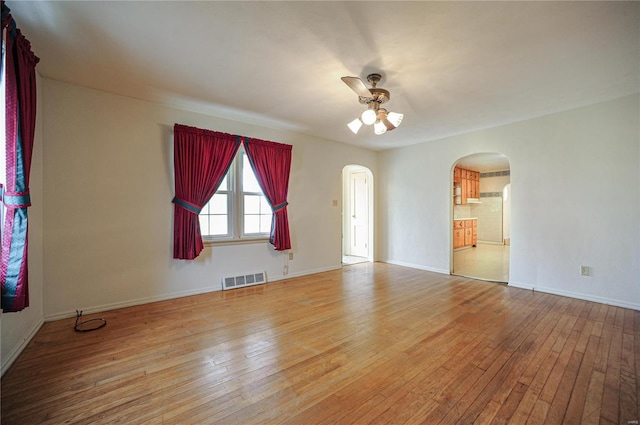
point(20, 110)
point(271, 163)
point(201, 160)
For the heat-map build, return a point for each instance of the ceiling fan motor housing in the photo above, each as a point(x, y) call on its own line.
point(379, 95)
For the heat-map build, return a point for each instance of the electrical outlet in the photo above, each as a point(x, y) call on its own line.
point(285, 270)
point(585, 271)
point(291, 256)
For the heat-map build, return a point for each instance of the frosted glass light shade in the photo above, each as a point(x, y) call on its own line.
point(355, 125)
point(369, 116)
point(379, 127)
point(395, 118)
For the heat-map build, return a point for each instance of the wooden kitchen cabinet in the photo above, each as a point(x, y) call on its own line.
point(458, 238)
point(468, 236)
point(468, 183)
point(465, 233)
point(474, 240)
point(473, 184)
point(465, 190)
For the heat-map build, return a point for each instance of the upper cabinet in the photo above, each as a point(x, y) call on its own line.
point(466, 184)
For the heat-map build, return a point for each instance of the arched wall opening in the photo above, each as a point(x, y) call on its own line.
point(357, 214)
point(481, 217)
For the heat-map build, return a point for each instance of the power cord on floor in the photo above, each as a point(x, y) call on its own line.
point(78, 326)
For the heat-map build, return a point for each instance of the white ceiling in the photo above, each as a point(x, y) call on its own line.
point(451, 67)
point(485, 161)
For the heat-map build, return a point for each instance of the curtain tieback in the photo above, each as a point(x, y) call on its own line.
point(15, 199)
point(278, 207)
point(191, 207)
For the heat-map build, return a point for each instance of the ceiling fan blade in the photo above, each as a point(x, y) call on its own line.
point(357, 86)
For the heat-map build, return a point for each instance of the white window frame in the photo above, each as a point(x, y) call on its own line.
point(235, 209)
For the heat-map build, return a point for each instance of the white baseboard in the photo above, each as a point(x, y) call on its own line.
point(490, 242)
point(146, 300)
point(577, 295)
point(304, 273)
point(130, 303)
point(521, 285)
point(8, 360)
point(13, 355)
point(417, 266)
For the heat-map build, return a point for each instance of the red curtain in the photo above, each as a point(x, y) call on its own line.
point(20, 110)
point(201, 160)
point(271, 163)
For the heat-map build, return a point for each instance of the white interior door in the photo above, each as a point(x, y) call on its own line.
point(359, 228)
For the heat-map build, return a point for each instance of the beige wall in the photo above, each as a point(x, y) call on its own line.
point(108, 190)
point(574, 180)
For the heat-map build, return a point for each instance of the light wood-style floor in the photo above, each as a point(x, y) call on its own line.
point(370, 343)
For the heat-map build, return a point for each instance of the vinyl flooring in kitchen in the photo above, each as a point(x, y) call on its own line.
point(485, 261)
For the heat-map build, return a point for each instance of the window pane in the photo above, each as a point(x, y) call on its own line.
point(204, 224)
point(219, 216)
point(219, 225)
point(265, 223)
point(218, 204)
point(225, 183)
point(249, 182)
point(252, 224)
point(265, 208)
point(251, 204)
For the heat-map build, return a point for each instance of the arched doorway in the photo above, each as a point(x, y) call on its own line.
point(357, 214)
point(481, 213)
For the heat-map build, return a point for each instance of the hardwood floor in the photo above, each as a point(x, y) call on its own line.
point(370, 343)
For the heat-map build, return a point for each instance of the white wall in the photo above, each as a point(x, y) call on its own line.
point(576, 200)
point(490, 212)
point(108, 186)
point(489, 215)
point(18, 328)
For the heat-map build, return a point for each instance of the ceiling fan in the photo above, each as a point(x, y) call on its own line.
point(381, 119)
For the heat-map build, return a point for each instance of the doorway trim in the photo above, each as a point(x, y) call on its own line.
point(348, 201)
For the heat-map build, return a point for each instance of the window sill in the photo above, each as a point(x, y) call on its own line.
point(243, 241)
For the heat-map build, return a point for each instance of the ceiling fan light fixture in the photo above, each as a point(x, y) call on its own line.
point(374, 98)
point(355, 125)
point(369, 116)
point(379, 127)
point(395, 118)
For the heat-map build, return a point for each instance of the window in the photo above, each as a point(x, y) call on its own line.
point(238, 210)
